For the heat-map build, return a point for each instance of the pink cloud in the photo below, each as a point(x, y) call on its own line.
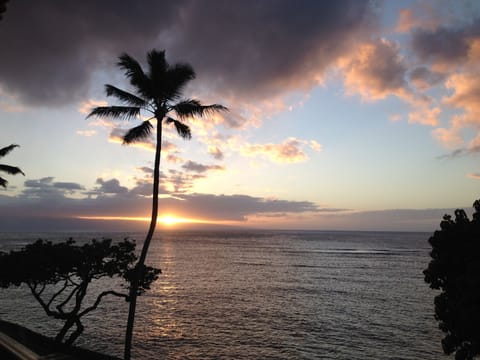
point(465, 96)
point(475, 176)
point(86, 106)
point(424, 116)
point(289, 151)
point(374, 70)
point(449, 137)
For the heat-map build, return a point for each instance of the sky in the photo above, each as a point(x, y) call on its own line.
point(343, 115)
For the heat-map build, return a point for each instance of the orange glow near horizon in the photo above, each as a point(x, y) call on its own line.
point(166, 219)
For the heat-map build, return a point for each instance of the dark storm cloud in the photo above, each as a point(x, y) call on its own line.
point(447, 46)
point(262, 46)
point(50, 49)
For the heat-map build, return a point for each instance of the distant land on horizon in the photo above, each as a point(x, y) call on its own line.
point(117, 226)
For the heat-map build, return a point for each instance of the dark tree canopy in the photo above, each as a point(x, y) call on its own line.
point(455, 271)
point(58, 276)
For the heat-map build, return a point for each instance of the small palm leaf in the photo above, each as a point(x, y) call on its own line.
point(138, 133)
point(157, 65)
point(191, 107)
point(135, 74)
point(12, 170)
point(4, 151)
point(175, 80)
point(121, 112)
point(182, 129)
point(125, 96)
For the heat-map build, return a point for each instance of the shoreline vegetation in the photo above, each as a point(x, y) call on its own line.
point(43, 345)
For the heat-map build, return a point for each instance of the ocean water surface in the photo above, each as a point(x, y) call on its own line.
point(263, 295)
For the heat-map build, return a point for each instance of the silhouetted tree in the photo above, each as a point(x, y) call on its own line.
point(12, 170)
point(455, 270)
point(58, 276)
point(3, 7)
point(158, 93)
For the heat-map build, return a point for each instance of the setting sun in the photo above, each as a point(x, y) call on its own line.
point(172, 220)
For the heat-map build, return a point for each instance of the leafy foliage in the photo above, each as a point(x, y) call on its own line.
point(58, 276)
point(12, 170)
point(455, 270)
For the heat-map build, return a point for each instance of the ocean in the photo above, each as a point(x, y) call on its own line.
point(263, 295)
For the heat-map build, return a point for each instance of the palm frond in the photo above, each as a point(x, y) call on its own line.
point(4, 151)
point(138, 133)
point(3, 182)
point(136, 75)
point(191, 107)
point(176, 78)
point(120, 112)
point(157, 64)
point(125, 96)
point(12, 170)
point(182, 129)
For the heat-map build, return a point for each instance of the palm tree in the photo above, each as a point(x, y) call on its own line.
point(12, 170)
point(158, 93)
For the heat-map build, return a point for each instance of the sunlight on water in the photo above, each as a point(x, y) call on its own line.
point(269, 295)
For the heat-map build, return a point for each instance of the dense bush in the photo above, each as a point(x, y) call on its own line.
point(455, 271)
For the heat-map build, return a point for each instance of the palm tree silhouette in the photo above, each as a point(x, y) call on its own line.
point(12, 170)
point(158, 93)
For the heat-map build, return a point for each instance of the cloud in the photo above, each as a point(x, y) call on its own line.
point(68, 186)
point(68, 42)
point(261, 54)
point(465, 97)
point(461, 152)
point(113, 199)
point(375, 70)
point(424, 116)
point(200, 168)
point(450, 138)
point(475, 176)
point(41, 214)
point(424, 78)
point(87, 106)
point(443, 47)
point(420, 16)
point(289, 151)
point(215, 152)
point(111, 186)
point(117, 134)
point(87, 133)
point(47, 188)
point(259, 42)
point(174, 159)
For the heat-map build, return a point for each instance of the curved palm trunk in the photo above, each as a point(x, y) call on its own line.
point(146, 244)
